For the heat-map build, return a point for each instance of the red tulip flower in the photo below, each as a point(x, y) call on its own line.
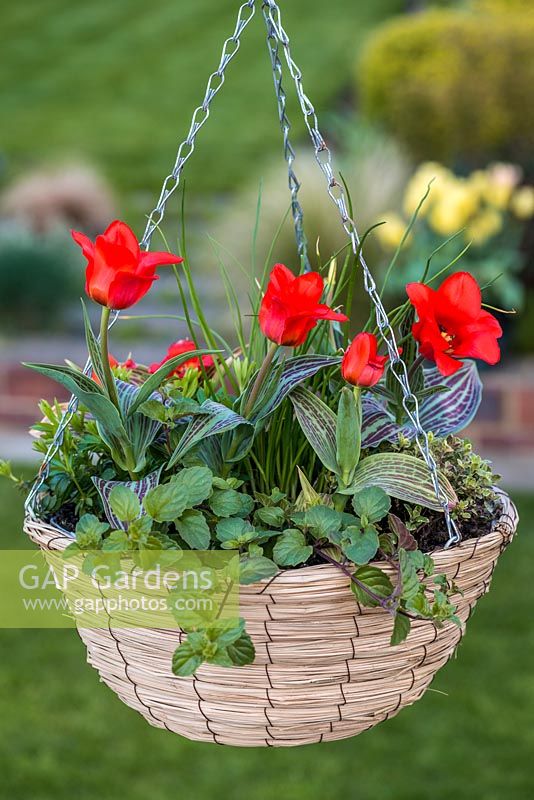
point(361, 365)
point(176, 349)
point(118, 274)
point(452, 324)
point(290, 307)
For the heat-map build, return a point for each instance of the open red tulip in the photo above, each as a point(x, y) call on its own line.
point(290, 307)
point(361, 365)
point(118, 274)
point(452, 324)
point(176, 349)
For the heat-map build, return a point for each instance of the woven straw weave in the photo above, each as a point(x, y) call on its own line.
point(324, 667)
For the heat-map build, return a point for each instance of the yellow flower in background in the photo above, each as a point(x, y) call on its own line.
point(479, 180)
point(522, 202)
point(390, 234)
point(418, 184)
point(502, 180)
point(454, 208)
point(482, 227)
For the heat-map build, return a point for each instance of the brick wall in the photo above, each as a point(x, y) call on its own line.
point(20, 391)
point(505, 420)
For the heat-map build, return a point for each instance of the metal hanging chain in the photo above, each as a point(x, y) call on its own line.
point(289, 153)
point(200, 115)
point(336, 192)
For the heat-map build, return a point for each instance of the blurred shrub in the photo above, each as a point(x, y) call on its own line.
point(40, 274)
point(71, 194)
point(452, 84)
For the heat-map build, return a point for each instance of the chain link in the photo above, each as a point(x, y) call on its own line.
point(336, 192)
point(200, 116)
point(273, 45)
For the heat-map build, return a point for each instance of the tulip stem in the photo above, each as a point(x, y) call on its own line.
point(104, 349)
point(260, 378)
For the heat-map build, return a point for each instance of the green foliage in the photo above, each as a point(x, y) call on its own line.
point(291, 549)
point(473, 479)
point(223, 642)
point(448, 84)
point(51, 270)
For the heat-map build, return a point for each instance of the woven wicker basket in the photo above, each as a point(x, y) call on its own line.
point(324, 667)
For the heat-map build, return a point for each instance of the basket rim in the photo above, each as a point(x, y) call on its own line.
point(502, 532)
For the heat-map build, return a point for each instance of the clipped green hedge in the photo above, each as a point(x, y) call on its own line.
point(454, 84)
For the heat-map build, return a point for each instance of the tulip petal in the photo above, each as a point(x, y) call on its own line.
point(149, 261)
point(280, 279)
point(126, 289)
point(421, 297)
point(324, 312)
point(308, 288)
point(460, 296)
point(480, 345)
point(445, 363)
point(85, 243)
point(120, 233)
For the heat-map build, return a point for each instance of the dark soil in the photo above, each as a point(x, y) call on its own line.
point(434, 535)
point(65, 518)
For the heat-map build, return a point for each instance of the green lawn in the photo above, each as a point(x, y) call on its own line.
point(64, 735)
point(117, 82)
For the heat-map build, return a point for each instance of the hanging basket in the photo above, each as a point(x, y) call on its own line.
point(324, 667)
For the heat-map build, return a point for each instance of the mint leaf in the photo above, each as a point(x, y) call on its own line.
point(291, 549)
point(124, 504)
point(401, 628)
point(376, 581)
point(323, 521)
point(230, 503)
point(372, 503)
point(410, 581)
point(166, 502)
point(242, 651)
point(89, 532)
point(195, 483)
point(255, 568)
point(185, 660)
point(360, 546)
point(234, 532)
point(153, 409)
point(272, 516)
point(117, 542)
point(194, 529)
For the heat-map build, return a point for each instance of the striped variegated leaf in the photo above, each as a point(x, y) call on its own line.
point(402, 476)
point(139, 488)
point(450, 412)
point(214, 418)
point(379, 424)
point(294, 372)
point(318, 423)
point(443, 412)
point(142, 431)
